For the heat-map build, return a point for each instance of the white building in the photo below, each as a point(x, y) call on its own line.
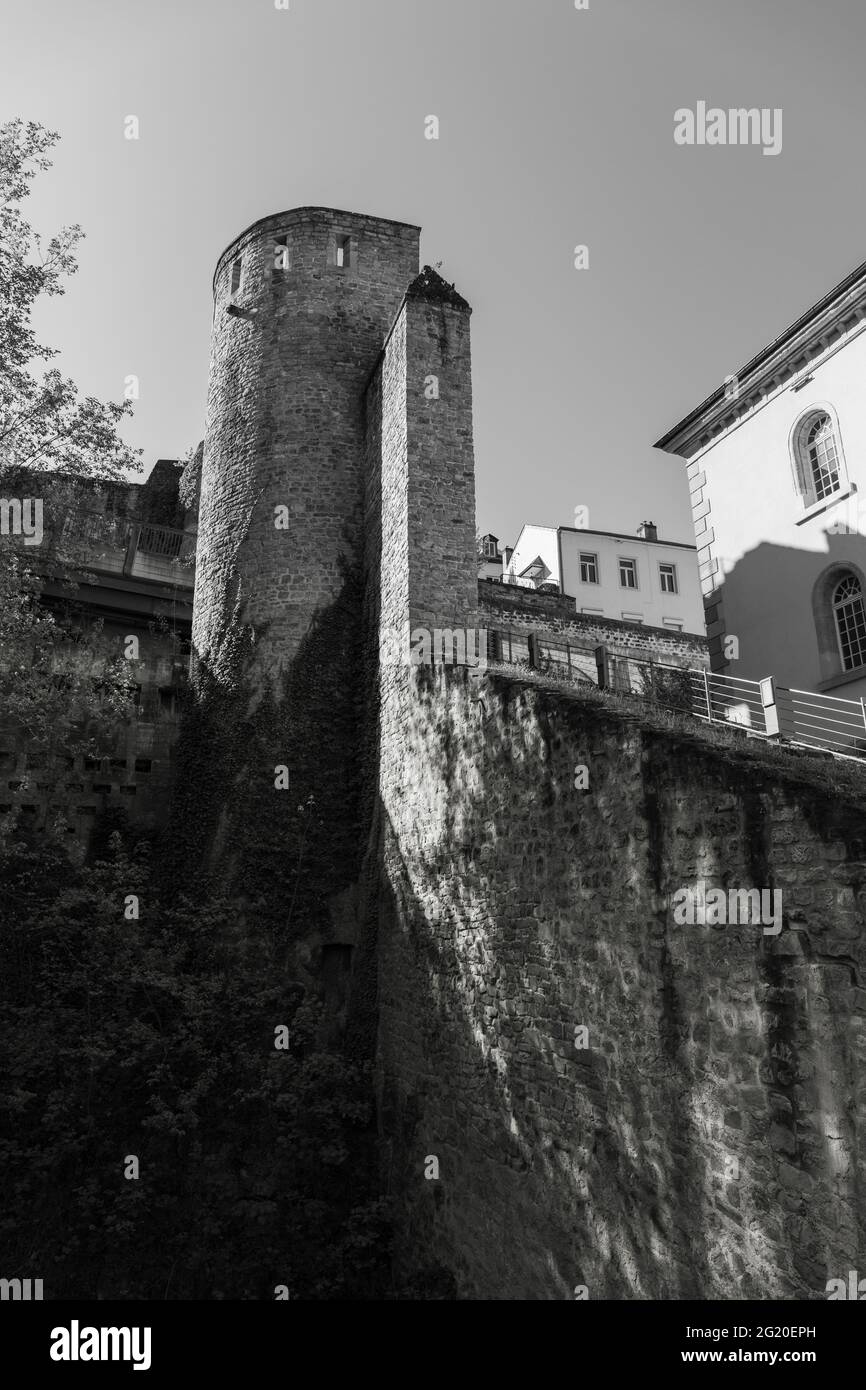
point(635, 579)
point(490, 558)
point(775, 457)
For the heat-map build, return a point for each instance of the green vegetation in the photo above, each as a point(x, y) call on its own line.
point(155, 1037)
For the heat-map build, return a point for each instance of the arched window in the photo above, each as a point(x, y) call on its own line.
point(850, 616)
point(818, 458)
point(823, 457)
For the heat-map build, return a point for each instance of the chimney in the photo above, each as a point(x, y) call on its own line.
point(647, 531)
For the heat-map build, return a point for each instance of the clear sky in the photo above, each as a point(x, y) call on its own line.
point(556, 129)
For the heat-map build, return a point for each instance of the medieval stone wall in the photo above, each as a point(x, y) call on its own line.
point(278, 630)
point(285, 424)
point(127, 770)
point(507, 607)
point(707, 1142)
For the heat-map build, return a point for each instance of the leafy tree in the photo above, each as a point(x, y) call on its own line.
point(49, 689)
point(44, 423)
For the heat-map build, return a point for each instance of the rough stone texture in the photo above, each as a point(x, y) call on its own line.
point(420, 511)
point(285, 424)
point(520, 908)
point(419, 528)
point(278, 620)
point(508, 606)
point(441, 475)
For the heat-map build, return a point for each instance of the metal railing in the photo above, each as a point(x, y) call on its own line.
point(822, 721)
point(730, 700)
point(586, 663)
point(762, 709)
point(802, 717)
point(164, 541)
point(574, 660)
point(87, 528)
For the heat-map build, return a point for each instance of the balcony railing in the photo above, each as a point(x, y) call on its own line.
point(120, 546)
point(162, 553)
point(161, 540)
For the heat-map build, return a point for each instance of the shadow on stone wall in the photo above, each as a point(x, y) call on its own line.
point(705, 1143)
point(290, 857)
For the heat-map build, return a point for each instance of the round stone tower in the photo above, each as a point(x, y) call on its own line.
point(302, 303)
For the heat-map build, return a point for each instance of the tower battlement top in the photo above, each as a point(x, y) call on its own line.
point(335, 218)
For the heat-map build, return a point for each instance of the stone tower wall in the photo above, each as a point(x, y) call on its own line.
point(704, 1138)
point(285, 422)
point(278, 627)
point(420, 511)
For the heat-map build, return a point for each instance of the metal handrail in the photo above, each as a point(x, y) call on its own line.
point(802, 717)
point(164, 541)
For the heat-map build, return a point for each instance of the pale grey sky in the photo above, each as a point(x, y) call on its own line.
point(556, 130)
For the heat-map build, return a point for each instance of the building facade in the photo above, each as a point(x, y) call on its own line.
point(774, 462)
point(631, 579)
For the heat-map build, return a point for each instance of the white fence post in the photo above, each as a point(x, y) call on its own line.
point(768, 699)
